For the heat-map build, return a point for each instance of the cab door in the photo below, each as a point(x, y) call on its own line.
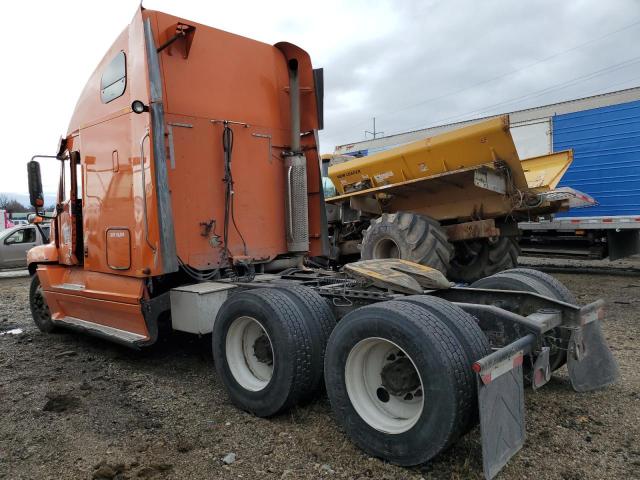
point(69, 209)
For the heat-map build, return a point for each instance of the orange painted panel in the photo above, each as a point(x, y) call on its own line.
point(111, 300)
point(122, 316)
point(116, 197)
point(101, 286)
point(224, 77)
point(197, 192)
point(118, 248)
point(229, 77)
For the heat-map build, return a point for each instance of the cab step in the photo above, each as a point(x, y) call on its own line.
point(122, 337)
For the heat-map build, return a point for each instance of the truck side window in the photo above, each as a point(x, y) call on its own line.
point(24, 235)
point(114, 79)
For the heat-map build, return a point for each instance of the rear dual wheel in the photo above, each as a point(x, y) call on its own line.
point(399, 379)
point(529, 280)
point(473, 341)
point(268, 347)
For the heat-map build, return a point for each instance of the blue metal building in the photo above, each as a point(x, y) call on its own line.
point(606, 165)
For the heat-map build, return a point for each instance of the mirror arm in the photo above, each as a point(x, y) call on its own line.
point(45, 237)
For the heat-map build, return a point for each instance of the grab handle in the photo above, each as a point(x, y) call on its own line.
point(144, 192)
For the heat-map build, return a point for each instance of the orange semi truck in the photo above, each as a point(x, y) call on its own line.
point(190, 198)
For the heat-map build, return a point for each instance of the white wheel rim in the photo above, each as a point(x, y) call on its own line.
point(249, 366)
point(396, 412)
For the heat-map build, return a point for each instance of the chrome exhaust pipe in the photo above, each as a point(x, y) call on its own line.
point(297, 221)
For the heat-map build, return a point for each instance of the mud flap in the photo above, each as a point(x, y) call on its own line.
point(501, 405)
point(590, 363)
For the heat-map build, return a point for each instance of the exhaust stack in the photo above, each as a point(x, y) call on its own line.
point(297, 221)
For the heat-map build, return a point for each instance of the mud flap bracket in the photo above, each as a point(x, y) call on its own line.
point(541, 369)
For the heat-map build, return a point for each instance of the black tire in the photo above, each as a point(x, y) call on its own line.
point(476, 259)
point(407, 236)
point(39, 308)
point(466, 329)
point(440, 362)
point(320, 321)
point(561, 292)
point(292, 350)
point(528, 280)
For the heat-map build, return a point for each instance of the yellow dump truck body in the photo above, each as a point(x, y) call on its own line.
point(470, 173)
point(478, 144)
point(543, 173)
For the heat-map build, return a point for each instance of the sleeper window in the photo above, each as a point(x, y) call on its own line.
point(114, 79)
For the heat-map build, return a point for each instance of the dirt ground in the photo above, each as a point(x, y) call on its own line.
point(73, 406)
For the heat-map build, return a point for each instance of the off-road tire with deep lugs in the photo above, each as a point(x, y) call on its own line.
point(408, 236)
point(476, 259)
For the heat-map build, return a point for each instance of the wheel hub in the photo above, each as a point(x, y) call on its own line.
point(262, 350)
point(386, 248)
point(399, 376)
point(249, 353)
point(384, 385)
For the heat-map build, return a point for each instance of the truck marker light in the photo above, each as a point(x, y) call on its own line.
point(139, 107)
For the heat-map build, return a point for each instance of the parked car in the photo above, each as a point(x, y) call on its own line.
point(16, 241)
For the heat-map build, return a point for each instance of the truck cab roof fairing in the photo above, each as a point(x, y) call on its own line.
point(90, 109)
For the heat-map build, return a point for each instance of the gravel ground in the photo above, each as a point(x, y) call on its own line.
point(78, 407)
point(630, 264)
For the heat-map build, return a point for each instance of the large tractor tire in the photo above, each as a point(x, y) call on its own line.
point(528, 280)
point(396, 377)
point(466, 329)
point(410, 237)
point(39, 308)
point(476, 259)
point(265, 352)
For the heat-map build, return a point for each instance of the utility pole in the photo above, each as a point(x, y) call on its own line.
point(375, 133)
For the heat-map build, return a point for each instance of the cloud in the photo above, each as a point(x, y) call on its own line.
point(437, 65)
point(410, 64)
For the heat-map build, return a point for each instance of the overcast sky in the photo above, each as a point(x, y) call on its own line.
point(411, 64)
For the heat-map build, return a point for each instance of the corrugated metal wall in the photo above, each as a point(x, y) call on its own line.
point(606, 165)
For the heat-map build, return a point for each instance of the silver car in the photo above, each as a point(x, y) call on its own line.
point(16, 241)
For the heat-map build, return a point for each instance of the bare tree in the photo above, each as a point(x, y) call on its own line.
point(4, 201)
point(14, 206)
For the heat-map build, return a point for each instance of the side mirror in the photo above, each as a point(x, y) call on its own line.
point(33, 219)
point(35, 184)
